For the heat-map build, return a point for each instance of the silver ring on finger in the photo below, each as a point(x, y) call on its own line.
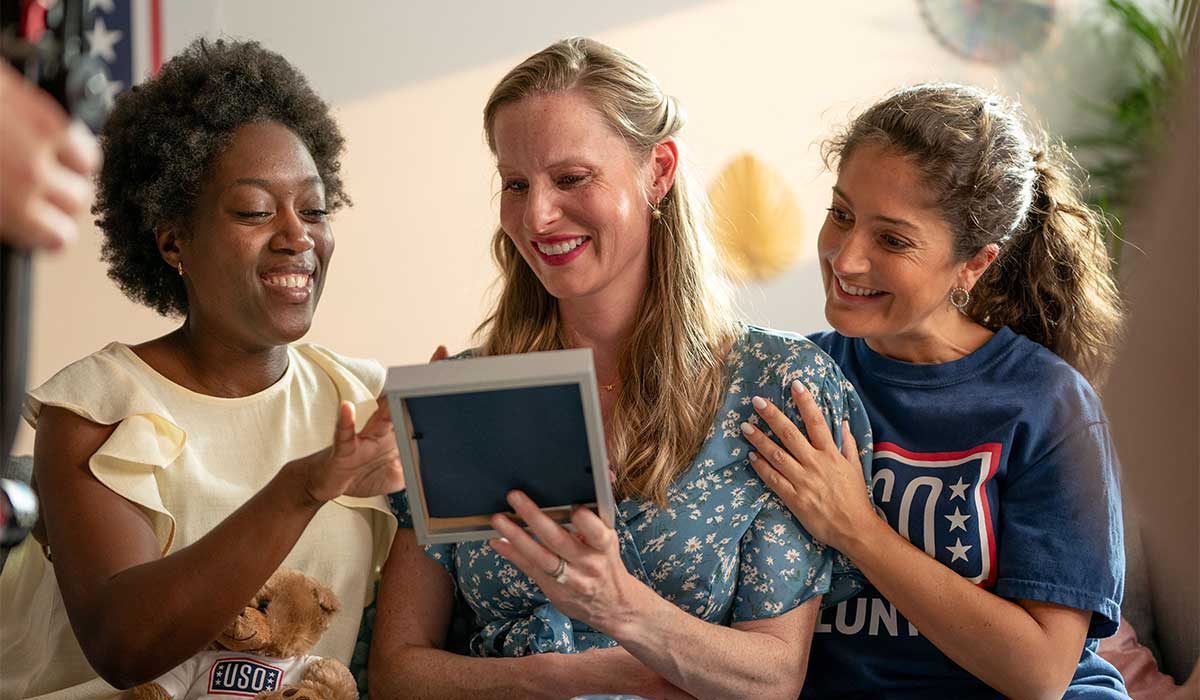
point(560, 572)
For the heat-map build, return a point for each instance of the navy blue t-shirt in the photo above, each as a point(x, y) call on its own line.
point(1000, 466)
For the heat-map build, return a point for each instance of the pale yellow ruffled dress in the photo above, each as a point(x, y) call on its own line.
point(189, 460)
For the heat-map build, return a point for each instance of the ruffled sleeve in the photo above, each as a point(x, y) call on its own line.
point(360, 382)
point(847, 581)
point(782, 565)
point(102, 389)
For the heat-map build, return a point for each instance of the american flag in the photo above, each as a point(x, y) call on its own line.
point(127, 36)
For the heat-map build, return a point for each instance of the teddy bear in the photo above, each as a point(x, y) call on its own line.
point(263, 653)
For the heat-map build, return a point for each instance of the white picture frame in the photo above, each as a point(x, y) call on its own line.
point(557, 387)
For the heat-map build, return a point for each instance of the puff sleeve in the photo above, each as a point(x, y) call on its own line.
point(146, 440)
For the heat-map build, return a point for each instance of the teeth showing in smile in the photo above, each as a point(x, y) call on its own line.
point(293, 280)
point(561, 247)
point(857, 291)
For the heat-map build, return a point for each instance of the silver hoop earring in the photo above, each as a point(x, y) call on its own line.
point(959, 298)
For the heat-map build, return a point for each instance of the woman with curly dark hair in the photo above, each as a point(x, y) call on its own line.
point(177, 474)
point(974, 309)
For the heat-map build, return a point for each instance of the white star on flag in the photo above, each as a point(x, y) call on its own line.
point(106, 5)
point(103, 41)
point(958, 521)
point(959, 550)
point(112, 88)
point(959, 490)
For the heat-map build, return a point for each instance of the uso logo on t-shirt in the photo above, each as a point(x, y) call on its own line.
point(243, 676)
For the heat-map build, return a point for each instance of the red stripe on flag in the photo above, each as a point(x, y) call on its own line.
point(155, 36)
point(33, 21)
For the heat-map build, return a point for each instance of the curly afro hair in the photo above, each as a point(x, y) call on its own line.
point(163, 136)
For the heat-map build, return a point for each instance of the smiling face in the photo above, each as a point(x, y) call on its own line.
point(573, 200)
point(258, 243)
point(886, 255)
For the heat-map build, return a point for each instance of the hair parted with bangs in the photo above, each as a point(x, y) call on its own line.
point(673, 368)
point(164, 135)
point(999, 180)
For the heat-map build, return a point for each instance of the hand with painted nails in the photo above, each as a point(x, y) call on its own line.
point(45, 169)
point(822, 485)
point(581, 573)
point(363, 463)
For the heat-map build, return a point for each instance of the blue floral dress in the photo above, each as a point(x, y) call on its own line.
point(724, 549)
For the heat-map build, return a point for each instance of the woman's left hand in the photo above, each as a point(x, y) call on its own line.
point(821, 485)
point(593, 585)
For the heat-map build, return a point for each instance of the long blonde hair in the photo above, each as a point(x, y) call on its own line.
point(673, 368)
point(999, 180)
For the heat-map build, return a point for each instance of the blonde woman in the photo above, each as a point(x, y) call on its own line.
point(707, 587)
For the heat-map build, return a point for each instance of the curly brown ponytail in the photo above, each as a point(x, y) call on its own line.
point(1052, 282)
point(998, 181)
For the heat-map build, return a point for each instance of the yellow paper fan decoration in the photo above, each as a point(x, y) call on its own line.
point(756, 219)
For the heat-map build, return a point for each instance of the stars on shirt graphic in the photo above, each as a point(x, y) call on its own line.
point(939, 501)
point(958, 521)
point(959, 490)
point(959, 550)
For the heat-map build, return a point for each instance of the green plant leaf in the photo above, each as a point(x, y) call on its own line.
point(1137, 115)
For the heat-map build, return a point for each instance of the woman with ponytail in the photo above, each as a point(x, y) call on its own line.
point(973, 308)
point(706, 586)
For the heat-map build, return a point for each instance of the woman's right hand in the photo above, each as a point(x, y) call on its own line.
point(361, 464)
point(366, 463)
point(819, 482)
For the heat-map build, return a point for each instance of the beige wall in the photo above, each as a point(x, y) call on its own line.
point(412, 268)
